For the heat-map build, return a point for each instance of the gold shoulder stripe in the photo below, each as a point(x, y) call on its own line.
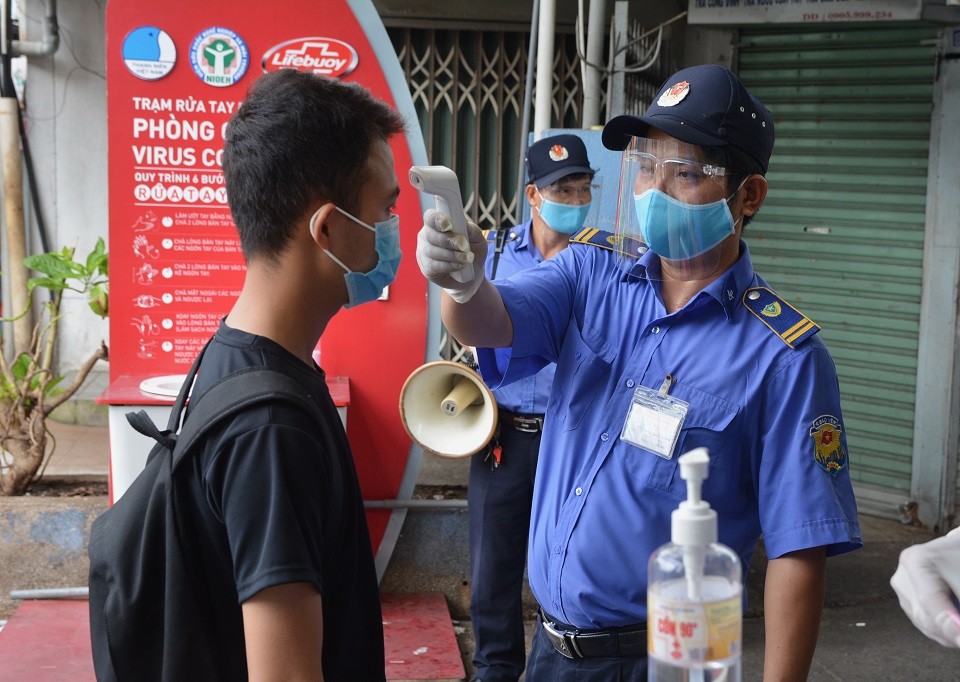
point(594, 237)
point(792, 326)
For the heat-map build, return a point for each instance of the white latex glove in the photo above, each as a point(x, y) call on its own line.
point(441, 252)
point(927, 581)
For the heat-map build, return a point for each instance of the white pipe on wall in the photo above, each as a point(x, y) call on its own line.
point(594, 53)
point(544, 99)
point(50, 41)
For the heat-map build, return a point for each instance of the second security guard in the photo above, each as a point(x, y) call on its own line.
point(500, 492)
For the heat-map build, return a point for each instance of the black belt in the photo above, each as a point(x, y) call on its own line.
point(526, 423)
point(630, 641)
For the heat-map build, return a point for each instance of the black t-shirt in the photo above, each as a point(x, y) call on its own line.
point(276, 500)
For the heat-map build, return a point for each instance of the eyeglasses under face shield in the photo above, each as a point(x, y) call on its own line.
point(567, 191)
point(671, 201)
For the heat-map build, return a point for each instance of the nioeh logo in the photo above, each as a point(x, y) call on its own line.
point(219, 56)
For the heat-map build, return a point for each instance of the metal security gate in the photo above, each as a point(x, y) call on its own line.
point(468, 88)
point(841, 233)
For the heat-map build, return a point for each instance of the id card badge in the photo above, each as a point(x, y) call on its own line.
point(654, 419)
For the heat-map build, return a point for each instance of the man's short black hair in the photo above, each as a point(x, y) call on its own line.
point(298, 138)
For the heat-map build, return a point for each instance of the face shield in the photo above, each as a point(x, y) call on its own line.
point(672, 201)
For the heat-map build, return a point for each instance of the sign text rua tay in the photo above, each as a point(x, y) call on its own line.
point(324, 56)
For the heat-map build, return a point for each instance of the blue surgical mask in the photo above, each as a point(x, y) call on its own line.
point(565, 218)
point(363, 287)
point(678, 231)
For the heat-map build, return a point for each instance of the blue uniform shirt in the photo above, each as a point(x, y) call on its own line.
point(601, 505)
point(530, 394)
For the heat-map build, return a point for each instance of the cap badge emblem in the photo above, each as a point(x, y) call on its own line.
point(674, 95)
point(558, 152)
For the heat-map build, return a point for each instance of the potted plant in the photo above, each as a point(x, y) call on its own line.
point(30, 388)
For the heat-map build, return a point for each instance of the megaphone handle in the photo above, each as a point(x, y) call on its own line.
point(464, 394)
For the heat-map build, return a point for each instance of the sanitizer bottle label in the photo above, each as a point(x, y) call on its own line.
point(683, 632)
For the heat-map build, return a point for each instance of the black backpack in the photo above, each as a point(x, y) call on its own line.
point(147, 617)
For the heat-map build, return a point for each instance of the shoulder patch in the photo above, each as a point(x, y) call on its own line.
point(792, 326)
point(828, 448)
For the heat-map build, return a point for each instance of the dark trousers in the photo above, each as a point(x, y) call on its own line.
point(499, 501)
point(546, 664)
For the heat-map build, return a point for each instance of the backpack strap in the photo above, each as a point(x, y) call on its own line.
point(230, 394)
point(500, 239)
point(142, 422)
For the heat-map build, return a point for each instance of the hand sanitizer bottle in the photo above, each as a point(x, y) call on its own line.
point(694, 593)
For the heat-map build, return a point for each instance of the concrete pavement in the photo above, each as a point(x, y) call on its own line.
point(863, 635)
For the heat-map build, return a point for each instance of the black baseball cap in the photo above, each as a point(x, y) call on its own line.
point(556, 157)
point(704, 105)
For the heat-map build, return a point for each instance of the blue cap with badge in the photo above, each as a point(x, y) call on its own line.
point(556, 157)
point(703, 105)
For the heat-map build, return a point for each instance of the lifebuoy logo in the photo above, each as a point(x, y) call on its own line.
point(324, 56)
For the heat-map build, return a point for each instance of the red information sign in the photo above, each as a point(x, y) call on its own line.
point(176, 71)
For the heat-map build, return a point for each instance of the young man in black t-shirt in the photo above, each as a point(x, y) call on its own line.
point(285, 552)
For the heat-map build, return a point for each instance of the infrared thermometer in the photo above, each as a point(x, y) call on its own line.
point(442, 183)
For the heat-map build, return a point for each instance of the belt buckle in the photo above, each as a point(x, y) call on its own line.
point(527, 425)
point(563, 641)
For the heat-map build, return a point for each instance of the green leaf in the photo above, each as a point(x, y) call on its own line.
point(20, 367)
point(96, 262)
point(46, 282)
point(99, 300)
point(49, 264)
point(97, 259)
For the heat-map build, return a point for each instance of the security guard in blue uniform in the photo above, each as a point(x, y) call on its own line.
point(501, 477)
point(665, 339)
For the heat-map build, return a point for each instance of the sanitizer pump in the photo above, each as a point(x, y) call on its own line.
point(694, 593)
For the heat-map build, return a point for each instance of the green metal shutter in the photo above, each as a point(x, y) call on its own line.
point(841, 233)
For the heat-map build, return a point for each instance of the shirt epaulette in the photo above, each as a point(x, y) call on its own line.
point(595, 237)
point(792, 326)
point(490, 234)
point(605, 240)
